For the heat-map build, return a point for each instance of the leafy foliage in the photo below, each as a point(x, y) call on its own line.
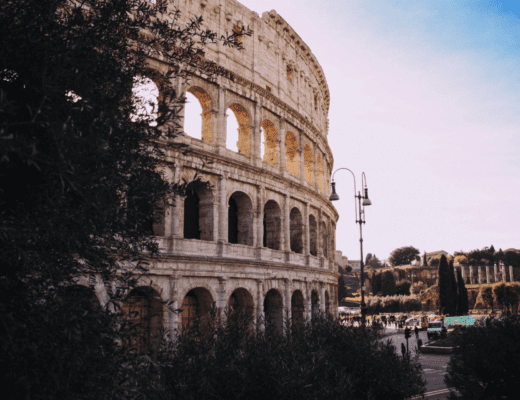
point(322, 359)
point(387, 284)
point(81, 179)
point(393, 304)
point(482, 366)
point(403, 256)
point(507, 295)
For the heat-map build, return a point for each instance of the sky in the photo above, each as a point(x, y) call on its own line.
point(425, 99)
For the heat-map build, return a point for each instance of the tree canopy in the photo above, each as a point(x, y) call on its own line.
point(403, 256)
point(81, 178)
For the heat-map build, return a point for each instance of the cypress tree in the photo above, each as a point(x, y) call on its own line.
point(444, 285)
point(388, 284)
point(454, 299)
point(463, 303)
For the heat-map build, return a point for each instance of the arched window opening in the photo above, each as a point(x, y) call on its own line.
point(143, 311)
point(319, 161)
point(327, 303)
point(269, 147)
point(315, 304)
point(273, 309)
point(241, 308)
point(198, 114)
point(313, 236)
point(296, 226)
point(240, 219)
point(238, 137)
point(272, 225)
point(191, 215)
point(297, 309)
point(196, 308)
point(324, 240)
point(308, 163)
point(291, 154)
point(146, 100)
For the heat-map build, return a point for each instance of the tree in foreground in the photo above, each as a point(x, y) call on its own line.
point(319, 360)
point(444, 285)
point(388, 284)
point(462, 301)
point(484, 365)
point(80, 180)
point(403, 256)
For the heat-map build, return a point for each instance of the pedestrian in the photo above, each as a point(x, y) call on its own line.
point(403, 349)
point(416, 332)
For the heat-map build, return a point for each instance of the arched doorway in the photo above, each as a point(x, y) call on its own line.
point(297, 308)
point(196, 309)
point(273, 310)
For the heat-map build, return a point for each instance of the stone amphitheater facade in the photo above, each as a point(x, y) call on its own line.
point(263, 236)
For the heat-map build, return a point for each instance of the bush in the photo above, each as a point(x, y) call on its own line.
point(393, 304)
point(322, 359)
point(483, 366)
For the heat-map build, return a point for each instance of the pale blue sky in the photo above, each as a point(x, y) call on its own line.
point(425, 99)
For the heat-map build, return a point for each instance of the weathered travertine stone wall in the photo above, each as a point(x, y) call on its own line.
point(264, 237)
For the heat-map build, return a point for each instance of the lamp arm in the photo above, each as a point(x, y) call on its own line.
point(354, 176)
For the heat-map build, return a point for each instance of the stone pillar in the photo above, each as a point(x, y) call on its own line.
point(286, 244)
point(259, 227)
point(503, 269)
point(221, 293)
point(322, 299)
point(315, 167)
point(174, 320)
point(281, 154)
point(287, 301)
point(220, 134)
point(223, 211)
point(511, 274)
point(319, 241)
point(307, 303)
point(471, 277)
point(301, 159)
point(260, 305)
point(256, 137)
point(495, 268)
point(306, 233)
point(479, 275)
point(487, 274)
point(177, 223)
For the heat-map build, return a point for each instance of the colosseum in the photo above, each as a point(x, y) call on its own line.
point(262, 236)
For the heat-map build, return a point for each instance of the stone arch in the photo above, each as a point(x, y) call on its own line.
point(297, 308)
point(243, 145)
point(319, 161)
point(242, 305)
point(296, 230)
point(240, 219)
point(144, 315)
point(198, 214)
point(313, 235)
point(273, 311)
point(207, 112)
point(269, 147)
point(272, 226)
point(308, 163)
point(324, 239)
point(291, 153)
point(196, 308)
point(315, 304)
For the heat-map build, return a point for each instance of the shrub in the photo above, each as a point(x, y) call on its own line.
point(482, 367)
point(322, 359)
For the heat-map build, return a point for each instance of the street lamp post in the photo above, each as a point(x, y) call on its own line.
point(359, 212)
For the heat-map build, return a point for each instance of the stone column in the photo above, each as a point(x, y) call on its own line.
point(259, 227)
point(221, 124)
point(315, 167)
point(307, 303)
point(471, 277)
point(260, 304)
point(286, 244)
point(223, 211)
point(504, 275)
point(174, 320)
point(287, 300)
point(306, 233)
point(281, 153)
point(319, 241)
point(479, 275)
point(301, 159)
point(221, 293)
point(322, 299)
point(495, 268)
point(256, 137)
point(511, 274)
point(487, 274)
point(463, 273)
point(178, 210)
